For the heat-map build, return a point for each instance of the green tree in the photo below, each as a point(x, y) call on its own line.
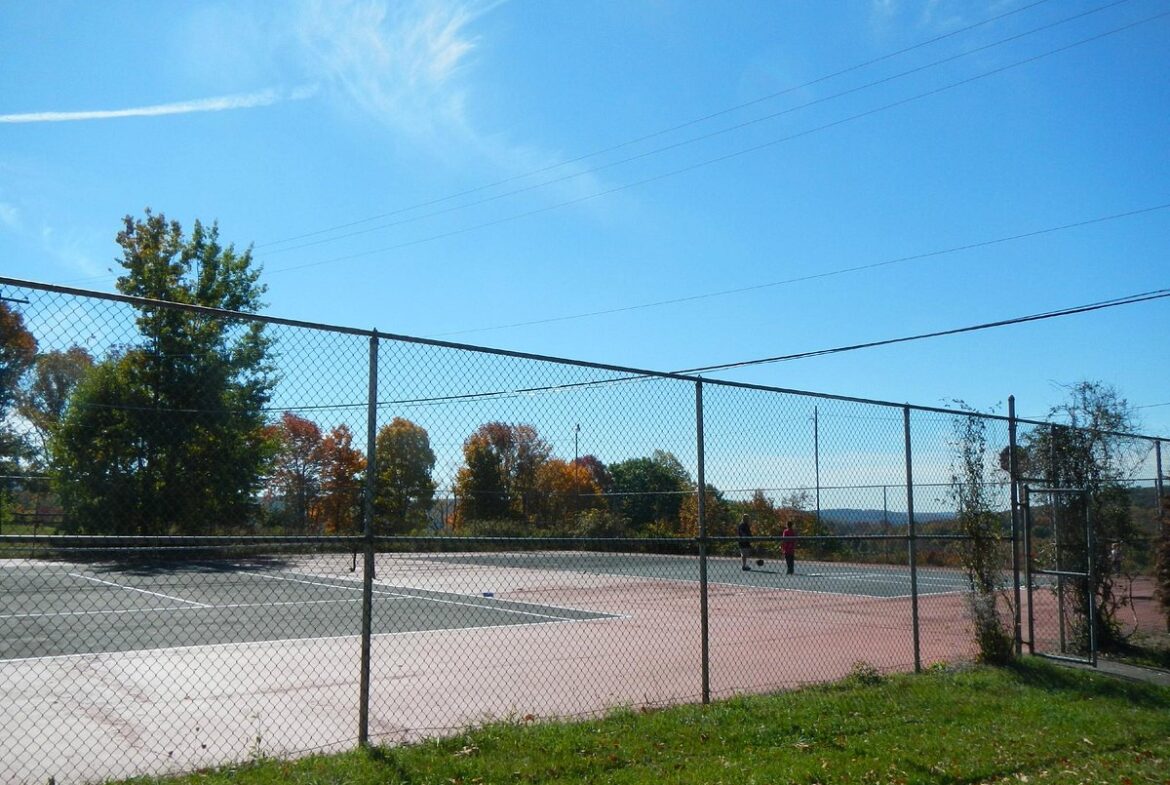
point(167, 435)
point(481, 485)
point(404, 488)
point(650, 490)
point(1090, 453)
point(499, 478)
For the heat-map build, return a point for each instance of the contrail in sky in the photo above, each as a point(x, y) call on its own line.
point(217, 104)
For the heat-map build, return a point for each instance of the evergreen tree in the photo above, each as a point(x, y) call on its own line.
point(166, 436)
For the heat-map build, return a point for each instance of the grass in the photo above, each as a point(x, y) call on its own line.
point(1031, 722)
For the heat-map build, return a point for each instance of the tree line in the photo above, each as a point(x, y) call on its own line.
point(172, 432)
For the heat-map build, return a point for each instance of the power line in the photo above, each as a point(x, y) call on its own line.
point(1128, 300)
point(815, 276)
point(513, 393)
point(726, 156)
point(702, 137)
point(636, 376)
point(663, 132)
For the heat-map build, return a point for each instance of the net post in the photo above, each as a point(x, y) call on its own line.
point(912, 542)
point(368, 545)
point(704, 618)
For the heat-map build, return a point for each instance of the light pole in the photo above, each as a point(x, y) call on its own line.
point(576, 432)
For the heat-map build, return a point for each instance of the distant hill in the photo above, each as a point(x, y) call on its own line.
point(845, 516)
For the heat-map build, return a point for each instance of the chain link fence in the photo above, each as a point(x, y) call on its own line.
point(225, 536)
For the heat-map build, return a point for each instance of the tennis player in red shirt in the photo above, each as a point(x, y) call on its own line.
point(788, 547)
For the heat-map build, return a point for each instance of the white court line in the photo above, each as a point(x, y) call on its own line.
point(144, 591)
point(62, 614)
point(354, 587)
point(879, 577)
point(496, 600)
point(462, 603)
point(848, 595)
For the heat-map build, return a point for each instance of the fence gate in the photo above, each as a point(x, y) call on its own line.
point(1058, 540)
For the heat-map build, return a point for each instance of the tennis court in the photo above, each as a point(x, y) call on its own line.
point(52, 609)
point(58, 609)
point(169, 665)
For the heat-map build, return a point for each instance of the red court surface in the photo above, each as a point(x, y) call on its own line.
point(103, 715)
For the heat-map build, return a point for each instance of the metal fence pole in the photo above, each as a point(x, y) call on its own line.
point(1158, 488)
point(913, 542)
point(1013, 479)
point(817, 460)
point(1028, 566)
point(703, 609)
point(368, 534)
point(1091, 577)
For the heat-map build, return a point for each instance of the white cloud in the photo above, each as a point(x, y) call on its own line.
point(408, 65)
point(10, 216)
point(398, 62)
point(71, 251)
point(931, 15)
point(34, 245)
point(215, 104)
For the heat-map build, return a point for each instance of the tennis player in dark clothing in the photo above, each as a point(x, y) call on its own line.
point(744, 531)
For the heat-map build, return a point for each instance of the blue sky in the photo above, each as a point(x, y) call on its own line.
point(635, 182)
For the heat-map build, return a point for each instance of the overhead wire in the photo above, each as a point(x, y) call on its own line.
point(1127, 300)
point(643, 376)
point(665, 131)
point(695, 139)
point(816, 276)
point(643, 138)
point(725, 157)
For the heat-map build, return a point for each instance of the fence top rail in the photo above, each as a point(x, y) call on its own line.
point(633, 373)
point(141, 543)
point(165, 540)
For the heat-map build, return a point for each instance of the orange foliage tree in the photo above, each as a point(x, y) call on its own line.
point(339, 505)
point(715, 511)
point(18, 350)
point(564, 490)
point(294, 484)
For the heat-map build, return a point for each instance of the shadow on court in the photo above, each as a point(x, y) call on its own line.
point(155, 567)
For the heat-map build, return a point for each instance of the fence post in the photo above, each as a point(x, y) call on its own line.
point(704, 620)
point(1158, 488)
point(1013, 480)
point(913, 541)
point(1026, 501)
point(368, 538)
